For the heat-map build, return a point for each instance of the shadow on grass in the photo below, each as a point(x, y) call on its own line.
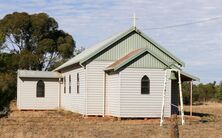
point(205, 117)
point(197, 114)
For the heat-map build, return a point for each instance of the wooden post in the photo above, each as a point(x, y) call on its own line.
point(191, 93)
point(174, 129)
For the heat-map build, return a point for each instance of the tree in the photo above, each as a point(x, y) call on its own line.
point(36, 39)
point(196, 95)
point(202, 92)
point(7, 88)
point(8, 67)
point(219, 91)
point(186, 92)
point(78, 50)
point(29, 41)
point(60, 62)
point(8, 63)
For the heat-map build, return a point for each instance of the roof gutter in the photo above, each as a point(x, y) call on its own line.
point(81, 64)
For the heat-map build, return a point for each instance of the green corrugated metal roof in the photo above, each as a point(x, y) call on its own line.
point(94, 50)
point(162, 48)
point(190, 76)
point(86, 53)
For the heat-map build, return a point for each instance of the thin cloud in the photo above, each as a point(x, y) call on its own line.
point(90, 21)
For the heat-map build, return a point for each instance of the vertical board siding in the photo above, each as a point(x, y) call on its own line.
point(27, 94)
point(95, 78)
point(74, 101)
point(135, 104)
point(133, 42)
point(113, 95)
point(148, 61)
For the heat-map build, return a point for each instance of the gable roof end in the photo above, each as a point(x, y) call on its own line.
point(94, 50)
point(161, 48)
point(133, 55)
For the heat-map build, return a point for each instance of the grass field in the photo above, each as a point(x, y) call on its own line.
point(207, 122)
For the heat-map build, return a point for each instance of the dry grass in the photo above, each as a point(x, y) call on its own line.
point(211, 125)
point(68, 124)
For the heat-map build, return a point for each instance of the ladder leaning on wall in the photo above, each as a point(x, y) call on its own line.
point(164, 94)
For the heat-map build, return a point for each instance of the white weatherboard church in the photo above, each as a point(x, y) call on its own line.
point(123, 76)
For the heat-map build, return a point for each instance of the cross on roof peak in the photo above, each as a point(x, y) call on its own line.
point(134, 19)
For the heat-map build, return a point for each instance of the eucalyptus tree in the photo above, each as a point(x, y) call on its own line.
point(36, 38)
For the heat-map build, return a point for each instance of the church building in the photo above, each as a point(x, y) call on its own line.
point(123, 76)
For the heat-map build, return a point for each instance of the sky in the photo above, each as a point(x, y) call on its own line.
point(91, 21)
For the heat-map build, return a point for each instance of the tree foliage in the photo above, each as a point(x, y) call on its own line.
point(8, 63)
point(36, 39)
point(8, 67)
point(29, 41)
point(219, 91)
point(202, 92)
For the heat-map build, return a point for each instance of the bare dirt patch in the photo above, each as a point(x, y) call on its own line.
point(67, 124)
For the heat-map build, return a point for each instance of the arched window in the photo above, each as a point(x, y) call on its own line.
point(40, 89)
point(145, 85)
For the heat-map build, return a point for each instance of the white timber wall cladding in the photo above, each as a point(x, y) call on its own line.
point(113, 95)
point(95, 78)
point(135, 104)
point(74, 101)
point(26, 94)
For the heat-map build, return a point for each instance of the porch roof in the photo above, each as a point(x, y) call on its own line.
point(188, 77)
